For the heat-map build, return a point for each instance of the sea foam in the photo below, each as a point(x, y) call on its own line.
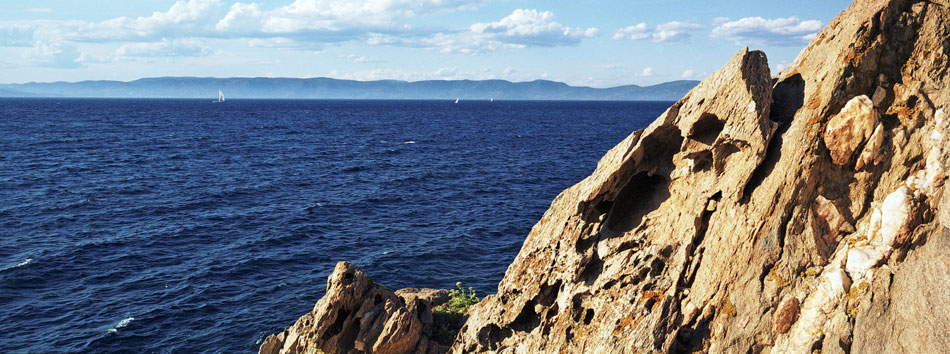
point(121, 324)
point(18, 265)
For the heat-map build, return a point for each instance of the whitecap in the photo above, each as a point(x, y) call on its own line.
point(409, 142)
point(18, 265)
point(121, 324)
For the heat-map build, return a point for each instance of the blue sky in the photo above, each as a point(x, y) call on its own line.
point(581, 42)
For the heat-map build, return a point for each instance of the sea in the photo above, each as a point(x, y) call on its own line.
point(182, 226)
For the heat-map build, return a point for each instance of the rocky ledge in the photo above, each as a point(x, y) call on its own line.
point(806, 211)
point(359, 316)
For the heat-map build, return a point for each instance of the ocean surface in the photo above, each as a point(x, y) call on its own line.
point(184, 226)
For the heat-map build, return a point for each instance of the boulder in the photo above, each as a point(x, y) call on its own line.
point(359, 316)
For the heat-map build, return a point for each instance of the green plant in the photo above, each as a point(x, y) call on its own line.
point(449, 317)
point(460, 299)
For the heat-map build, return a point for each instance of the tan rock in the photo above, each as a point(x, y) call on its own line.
point(786, 314)
point(879, 94)
point(850, 128)
point(357, 315)
point(870, 155)
point(832, 221)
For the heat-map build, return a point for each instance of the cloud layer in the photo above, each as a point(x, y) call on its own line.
point(301, 25)
point(163, 48)
point(193, 28)
point(522, 28)
point(789, 31)
point(332, 15)
point(670, 32)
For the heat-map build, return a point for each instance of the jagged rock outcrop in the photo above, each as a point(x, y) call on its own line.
point(757, 214)
point(359, 316)
point(607, 256)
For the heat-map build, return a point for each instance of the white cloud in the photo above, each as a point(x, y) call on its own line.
point(186, 27)
point(688, 74)
point(274, 42)
point(647, 72)
point(638, 31)
point(789, 31)
point(52, 54)
point(521, 29)
point(164, 48)
point(335, 16)
point(285, 43)
point(26, 33)
point(17, 34)
point(673, 31)
point(534, 28)
point(360, 58)
point(89, 58)
point(182, 18)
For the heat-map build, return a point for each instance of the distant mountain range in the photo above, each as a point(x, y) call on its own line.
point(326, 88)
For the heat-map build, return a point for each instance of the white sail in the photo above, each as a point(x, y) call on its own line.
point(456, 101)
point(220, 97)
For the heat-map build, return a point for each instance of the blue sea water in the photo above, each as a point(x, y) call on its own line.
point(183, 226)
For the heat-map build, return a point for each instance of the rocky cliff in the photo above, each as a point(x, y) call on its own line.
point(757, 214)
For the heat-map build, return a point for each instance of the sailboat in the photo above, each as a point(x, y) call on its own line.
point(220, 97)
point(456, 101)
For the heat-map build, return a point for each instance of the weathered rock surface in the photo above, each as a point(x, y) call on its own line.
point(755, 215)
point(359, 316)
point(820, 194)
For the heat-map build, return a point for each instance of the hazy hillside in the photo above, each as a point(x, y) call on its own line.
point(325, 88)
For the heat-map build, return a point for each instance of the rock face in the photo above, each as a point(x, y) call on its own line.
point(359, 316)
point(757, 215)
point(805, 212)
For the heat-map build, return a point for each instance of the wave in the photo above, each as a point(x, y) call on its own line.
point(18, 265)
point(409, 142)
point(121, 324)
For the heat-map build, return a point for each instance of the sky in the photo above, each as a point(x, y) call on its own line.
point(581, 42)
